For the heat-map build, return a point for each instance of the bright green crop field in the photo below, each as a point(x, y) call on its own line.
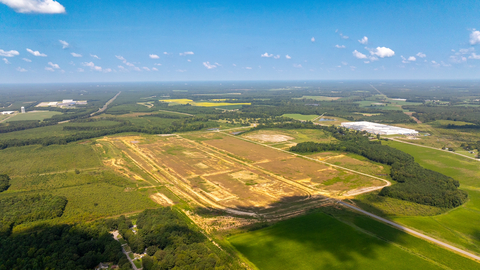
point(459, 226)
point(320, 241)
point(38, 115)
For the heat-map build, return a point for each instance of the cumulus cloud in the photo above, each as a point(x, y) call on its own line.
point(35, 6)
point(208, 65)
point(76, 54)
point(343, 36)
point(475, 37)
point(157, 64)
point(186, 53)
point(26, 60)
point(64, 43)
point(154, 69)
point(49, 69)
point(276, 56)
point(137, 69)
point(359, 55)
point(458, 58)
point(340, 46)
point(288, 56)
point(80, 70)
point(119, 57)
point(94, 56)
point(421, 55)
point(364, 40)
point(146, 68)
point(55, 66)
point(10, 53)
point(266, 55)
point(382, 52)
point(248, 68)
point(412, 59)
point(474, 56)
point(92, 66)
point(166, 53)
point(107, 70)
point(297, 65)
point(312, 39)
point(36, 53)
point(6, 61)
point(19, 69)
point(153, 56)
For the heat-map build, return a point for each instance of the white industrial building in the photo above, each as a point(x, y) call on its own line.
point(376, 128)
point(7, 112)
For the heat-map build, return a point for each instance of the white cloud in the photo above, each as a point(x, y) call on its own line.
point(181, 70)
point(342, 36)
point(55, 66)
point(288, 56)
point(186, 53)
point(248, 68)
point(421, 55)
point(297, 65)
point(465, 51)
point(26, 60)
point(19, 69)
point(64, 43)
point(49, 69)
point(359, 55)
point(234, 65)
point(166, 53)
point(366, 62)
point(94, 56)
point(412, 59)
point(208, 65)
point(475, 37)
point(108, 70)
point(129, 64)
point(146, 68)
point(119, 57)
point(35, 6)
point(36, 53)
point(340, 46)
point(458, 58)
point(154, 69)
point(218, 65)
point(153, 56)
point(188, 60)
point(344, 63)
point(474, 56)
point(312, 39)
point(157, 64)
point(382, 52)
point(10, 53)
point(276, 56)
point(76, 54)
point(266, 55)
point(80, 70)
point(137, 69)
point(6, 61)
point(364, 40)
point(92, 66)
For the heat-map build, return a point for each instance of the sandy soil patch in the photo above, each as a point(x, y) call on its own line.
point(270, 137)
point(161, 199)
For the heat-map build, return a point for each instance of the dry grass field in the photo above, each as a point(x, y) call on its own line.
point(218, 171)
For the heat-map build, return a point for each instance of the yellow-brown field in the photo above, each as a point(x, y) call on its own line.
point(220, 171)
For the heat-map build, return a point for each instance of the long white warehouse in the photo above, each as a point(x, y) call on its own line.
point(376, 128)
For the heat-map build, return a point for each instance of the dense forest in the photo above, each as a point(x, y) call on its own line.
point(171, 242)
point(4, 182)
point(81, 246)
point(454, 113)
point(414, 183)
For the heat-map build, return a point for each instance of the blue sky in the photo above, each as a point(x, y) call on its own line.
point(108, 41)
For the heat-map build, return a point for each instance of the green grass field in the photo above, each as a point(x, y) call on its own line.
point(319, 98)
point(320, 241)
point(368, 104)
point(38, 115)
point(301, 117)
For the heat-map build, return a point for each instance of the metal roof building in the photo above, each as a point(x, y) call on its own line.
point(376, 128)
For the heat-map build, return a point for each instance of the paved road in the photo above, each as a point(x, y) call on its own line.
point(106, 104)
point(417, 234)
point(446, 151)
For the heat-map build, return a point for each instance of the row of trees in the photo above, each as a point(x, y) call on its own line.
point(414, 183)
point(4, 182)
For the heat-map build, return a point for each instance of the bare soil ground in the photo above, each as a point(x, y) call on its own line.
point(270, 137)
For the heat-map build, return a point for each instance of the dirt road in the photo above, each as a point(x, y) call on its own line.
point(417, 234)
point(106, 104)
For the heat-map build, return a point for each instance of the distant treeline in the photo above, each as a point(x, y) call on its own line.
point(455, 113)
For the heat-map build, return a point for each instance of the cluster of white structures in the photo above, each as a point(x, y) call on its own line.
point(22, 110)
point(63, 103)
point(376, 128)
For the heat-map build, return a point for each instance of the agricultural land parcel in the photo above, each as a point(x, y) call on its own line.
point(326, 241)
point(458, 226)
point(200, 103)
point(33, 115)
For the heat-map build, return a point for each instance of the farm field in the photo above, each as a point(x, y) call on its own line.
point(386, 106)
point(301, 117)
point(320, 241)
point(33, 115)
point(201, 103)
point(458, 225)
point(320, 98)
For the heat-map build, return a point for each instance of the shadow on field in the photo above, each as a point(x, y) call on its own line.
point(329, 237)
